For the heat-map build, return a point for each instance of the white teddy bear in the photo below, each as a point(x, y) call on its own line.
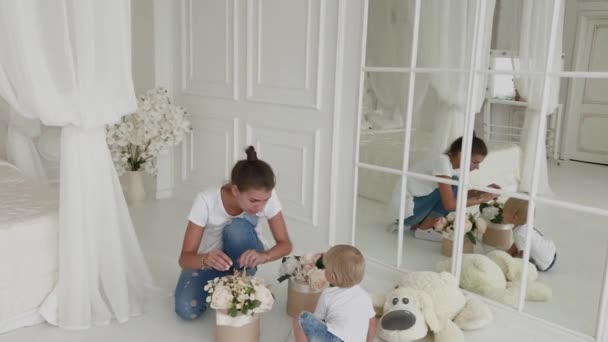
point(498, 276)
point(424, 301)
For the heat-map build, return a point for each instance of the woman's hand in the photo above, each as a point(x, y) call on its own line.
point(495, 186)
point(251, 258)
point(218, 260)
point(486, 197)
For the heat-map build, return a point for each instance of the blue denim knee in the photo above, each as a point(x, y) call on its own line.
point(315, 329)
point(190, 295)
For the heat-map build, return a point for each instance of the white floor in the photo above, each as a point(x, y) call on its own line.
point(160, 226)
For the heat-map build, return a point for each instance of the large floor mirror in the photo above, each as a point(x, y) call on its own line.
point(528, 78)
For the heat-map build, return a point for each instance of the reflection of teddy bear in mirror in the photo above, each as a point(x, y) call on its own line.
point(497, 275)
point(424, 301)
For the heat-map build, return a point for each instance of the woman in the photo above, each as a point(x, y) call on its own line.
point(428, 200)
point(223, 234)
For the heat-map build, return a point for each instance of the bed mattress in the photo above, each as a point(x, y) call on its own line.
point(28, 247)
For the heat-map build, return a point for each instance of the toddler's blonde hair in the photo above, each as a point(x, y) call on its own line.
point(347, 264)
point(519, 207)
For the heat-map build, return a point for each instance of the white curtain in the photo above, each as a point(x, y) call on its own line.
point(446, 41)
point(20, 148)
point(389, 44)
point(533, 50)
point(68, 63)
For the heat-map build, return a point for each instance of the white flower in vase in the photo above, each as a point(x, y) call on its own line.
point(440, 224)
point(137, 139)
point(239, 295)
point(468, 225)
point(482, 225)
point(451, 216)
point(310, 258)
point(263, 294)
point(288, 266)
point(317, 280)
point(221, 298)
point(492, 212)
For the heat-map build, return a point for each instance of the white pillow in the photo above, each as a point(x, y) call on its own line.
point(49, 143)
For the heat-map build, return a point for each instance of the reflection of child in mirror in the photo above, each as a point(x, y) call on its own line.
point(543, 252)
point(428, 200)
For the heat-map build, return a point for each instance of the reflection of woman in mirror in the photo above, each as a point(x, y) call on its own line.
point(428, 200)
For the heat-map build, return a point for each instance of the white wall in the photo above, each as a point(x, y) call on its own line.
point(263, 73)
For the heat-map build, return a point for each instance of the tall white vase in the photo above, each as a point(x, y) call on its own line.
point(136, 191)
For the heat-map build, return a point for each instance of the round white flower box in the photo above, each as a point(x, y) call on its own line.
point(301, 297)
point(499, 236)
point(242, 328)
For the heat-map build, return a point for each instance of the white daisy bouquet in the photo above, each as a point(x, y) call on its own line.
point(473, 227)
point(307, 268)
point(239, 294)
point(492, 211)
point(137, 139)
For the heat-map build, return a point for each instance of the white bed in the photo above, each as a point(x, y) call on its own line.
point(385, 148)
point(28, 247)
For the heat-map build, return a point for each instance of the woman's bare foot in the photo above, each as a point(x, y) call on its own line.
point(427, 223)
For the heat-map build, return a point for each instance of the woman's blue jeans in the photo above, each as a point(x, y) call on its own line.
point(238, 236)
point(429, 206)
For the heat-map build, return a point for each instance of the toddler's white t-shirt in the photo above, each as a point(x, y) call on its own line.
point(208, 211)
point(542, 250)
point(346, 311)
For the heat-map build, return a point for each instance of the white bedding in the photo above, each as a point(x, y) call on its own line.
point(502, 165)
point(28, 247)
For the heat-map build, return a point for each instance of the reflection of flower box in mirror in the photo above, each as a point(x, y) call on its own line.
point(447, 246)
point(499, 236)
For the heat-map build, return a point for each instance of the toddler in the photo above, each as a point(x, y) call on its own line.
point(345, 311)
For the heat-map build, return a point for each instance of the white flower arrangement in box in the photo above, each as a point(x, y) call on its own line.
point(137, 139)
point(473, 227)
point(492, 211)
point(239, 294)
point(307, 269)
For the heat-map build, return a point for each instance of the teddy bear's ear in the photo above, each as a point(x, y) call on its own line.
point(428, 311)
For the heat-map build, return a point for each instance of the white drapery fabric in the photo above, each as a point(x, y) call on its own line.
point(445, 41)
point(20, 148)
point(533, 51)
point(68, 63)
point(389, 44)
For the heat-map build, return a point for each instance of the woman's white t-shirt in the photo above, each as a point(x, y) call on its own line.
point(346, 312)
point(437, 166)
point(208, 211)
